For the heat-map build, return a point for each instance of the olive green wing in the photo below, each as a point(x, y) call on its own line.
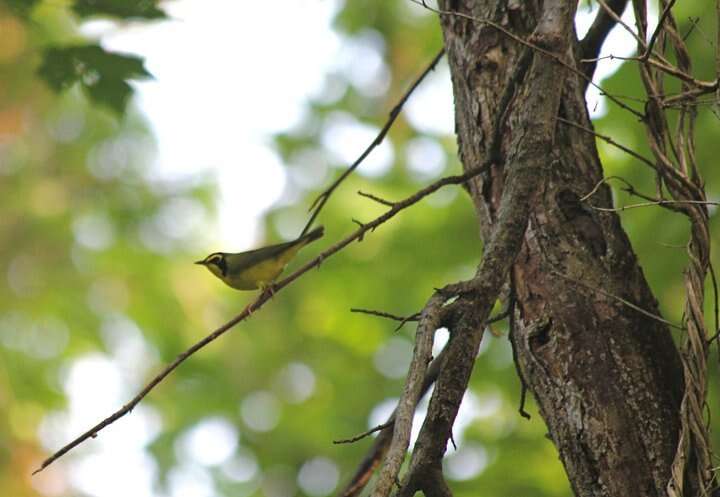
point(244, 260)
point(283, 252)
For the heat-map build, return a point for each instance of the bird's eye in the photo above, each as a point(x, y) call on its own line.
point(214, 259)
point(217, 260)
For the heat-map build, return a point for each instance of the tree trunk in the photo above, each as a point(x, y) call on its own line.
point(607, 377)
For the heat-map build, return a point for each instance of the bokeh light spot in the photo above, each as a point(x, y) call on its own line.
point(346, 138)
point(260, 411)
point(243, 467)
point(190, 481)
point(67, 126)
point(94, 231)
point(107, 295)
point(431, 109)
point(43, 338)
point(393, 358)
point(318, 477)
point(279, 481)
point(297, 382)
point(97, 475)
point(47, 338)
point(361, 61)
point(24, 275)
point(210, 442)
point(465, 463)
point(426, 158)
point(381, 412)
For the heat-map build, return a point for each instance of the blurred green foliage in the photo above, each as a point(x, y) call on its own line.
point(93, 270)
point(102, 74)
point(121, 9)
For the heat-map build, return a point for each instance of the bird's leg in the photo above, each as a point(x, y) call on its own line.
point(267, 287)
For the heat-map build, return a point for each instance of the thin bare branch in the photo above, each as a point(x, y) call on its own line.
point(609, 140)
point(621, 300)
point(386, 424)
point(383, 314)
point(657, 203)
point(630, 189)
point(611, 12)
point(375, 198)
point(416, 317)
point(422, 352)
point(598, 185)
point(602, 25)
point(258, 303)
point(322, 199)
point(665, 168)
point(658, 30)
point(374, 455)
point(403, 319)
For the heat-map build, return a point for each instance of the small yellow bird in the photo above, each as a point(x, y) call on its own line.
point(256, 268)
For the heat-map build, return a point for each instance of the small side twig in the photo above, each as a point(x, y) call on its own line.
point(629, 188)
point(609, 140)
point(322, 199)
point(658, 203)
point(386, 424)
point(383, 314)
point(602, 25)
point(403, 319)
point(416, 317)
point(621, 300)
point(376, 199)
point(658, 30)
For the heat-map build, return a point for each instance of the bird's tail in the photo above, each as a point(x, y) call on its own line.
point(313, 235)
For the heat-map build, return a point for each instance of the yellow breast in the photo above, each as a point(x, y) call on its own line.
point(260, 275)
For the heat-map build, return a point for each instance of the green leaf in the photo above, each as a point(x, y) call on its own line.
point(111, 92)
point(122, 9)
point(104, 75)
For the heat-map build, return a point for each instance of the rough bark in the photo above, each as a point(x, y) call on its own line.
point(607, 378)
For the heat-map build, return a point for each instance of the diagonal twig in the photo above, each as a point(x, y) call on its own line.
point(405, 410)
point(621, 300)
point(602, 25)
point(658, 203)
point(259, 302)
point(403, 319)
point(372, 459)
point(383, 314)
point(322, 199)
point(386, 424)
point(658, 30)
point(375, 198)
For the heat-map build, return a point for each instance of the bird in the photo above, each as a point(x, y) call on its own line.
point(256, 269)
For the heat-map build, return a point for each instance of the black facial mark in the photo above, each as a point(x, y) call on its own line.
point(219, 261)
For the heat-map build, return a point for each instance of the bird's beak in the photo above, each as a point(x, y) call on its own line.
point(202, 263)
